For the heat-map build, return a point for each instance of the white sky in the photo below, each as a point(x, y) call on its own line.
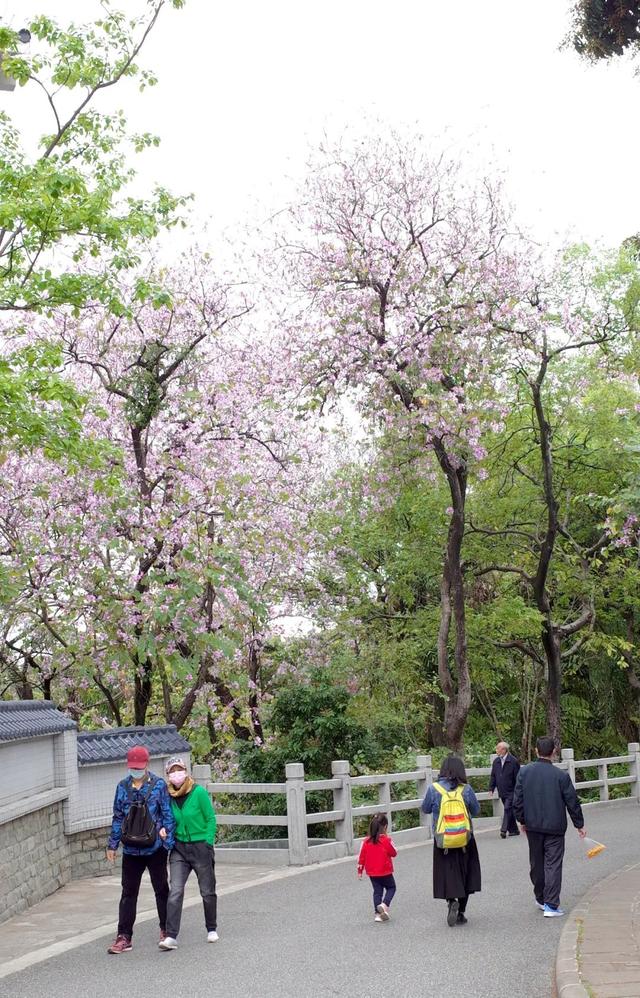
point(247, 86)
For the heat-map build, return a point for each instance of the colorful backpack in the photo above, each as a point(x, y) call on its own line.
point(453, 830)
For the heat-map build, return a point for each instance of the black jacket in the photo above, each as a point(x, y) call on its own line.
point(503, 777)
point(543, 796)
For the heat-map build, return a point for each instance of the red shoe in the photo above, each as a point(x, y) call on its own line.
point(122, 945)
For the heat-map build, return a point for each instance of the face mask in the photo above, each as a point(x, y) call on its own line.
point(177, 778)
point(136, 774)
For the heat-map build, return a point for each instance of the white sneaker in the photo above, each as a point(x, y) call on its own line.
point(212, 937)
point(383, 911)
point(168, 943)
point(552, 912)
point(378, 918)
point(540, 906)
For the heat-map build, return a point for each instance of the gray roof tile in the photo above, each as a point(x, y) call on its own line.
point(112, 744)
point(31, 718)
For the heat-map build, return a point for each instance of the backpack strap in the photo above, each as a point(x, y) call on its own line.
point(147, 789)
point(441, 790)
point(150, 785)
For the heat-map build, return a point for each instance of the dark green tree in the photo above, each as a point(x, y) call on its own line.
point(604, 28)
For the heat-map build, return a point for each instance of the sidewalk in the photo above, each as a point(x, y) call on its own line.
point(599, 950)
point(91, 910)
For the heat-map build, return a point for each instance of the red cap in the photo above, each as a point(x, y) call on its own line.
point(137, 757)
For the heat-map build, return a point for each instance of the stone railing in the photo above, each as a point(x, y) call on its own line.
point(300, 849)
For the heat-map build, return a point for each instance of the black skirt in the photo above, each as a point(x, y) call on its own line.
point(456, 872)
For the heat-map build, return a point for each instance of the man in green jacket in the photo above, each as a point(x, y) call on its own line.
point(195, 834)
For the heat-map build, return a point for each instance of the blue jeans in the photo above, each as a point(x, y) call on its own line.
point(383, 886)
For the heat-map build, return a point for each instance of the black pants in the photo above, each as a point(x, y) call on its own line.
point(132, 869)
point(383, 886)
point(545, 859)
point(509, 823)
point(185, 857)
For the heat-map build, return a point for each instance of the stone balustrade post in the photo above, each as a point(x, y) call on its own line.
point(423, 762)
point(633, 749)
point(602, 775)
point(384, 802)
point(201, 774)
point(342, 801)
point(568, 756)
point(296, 815)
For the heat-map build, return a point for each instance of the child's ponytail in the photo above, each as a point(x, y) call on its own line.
point(378, 827)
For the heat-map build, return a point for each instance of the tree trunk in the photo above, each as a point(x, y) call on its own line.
point(456, 686)
point(529, 696)
point(255, 647)
point(551, 646)
point(143, 690)
point(109, 697)
point(549, 636)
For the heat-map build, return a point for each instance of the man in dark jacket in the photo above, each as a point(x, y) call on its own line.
point(504, 773)
point(543, 796)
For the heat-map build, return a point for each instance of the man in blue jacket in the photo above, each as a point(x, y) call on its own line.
point(543, 796)
point(504, 773)
point(147, 796)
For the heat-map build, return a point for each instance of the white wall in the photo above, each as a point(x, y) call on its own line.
point(27, 768)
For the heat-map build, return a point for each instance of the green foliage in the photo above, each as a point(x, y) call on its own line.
point(310, 723)
point(68, 228)
point(38, 407)
point(605, 28)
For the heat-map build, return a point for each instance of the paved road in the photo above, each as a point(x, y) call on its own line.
point(313, 935)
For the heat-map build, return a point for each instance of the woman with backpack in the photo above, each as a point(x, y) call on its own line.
point(456, 864)
point(194, 837)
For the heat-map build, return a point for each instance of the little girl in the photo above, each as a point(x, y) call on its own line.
point(376, 860)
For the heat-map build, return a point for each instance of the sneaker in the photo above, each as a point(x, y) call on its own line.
point(378, 918)
point(122, 944)
point(512, 835)
point(550, 912)
point(503, 835)
point(163, 935)
point(461, 919)
point(168, 943)
point(212, 937)
point(452, 914)
point(539, 905)
point(383, 911)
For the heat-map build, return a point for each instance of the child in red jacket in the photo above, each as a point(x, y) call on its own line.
point(376, 860)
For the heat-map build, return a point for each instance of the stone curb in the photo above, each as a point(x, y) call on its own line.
point(567, 971)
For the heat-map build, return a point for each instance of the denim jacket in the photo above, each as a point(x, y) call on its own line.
point(159, 805)
point(431, 802)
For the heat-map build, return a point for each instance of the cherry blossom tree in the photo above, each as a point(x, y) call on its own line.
point(403, 287)
point(149, 581)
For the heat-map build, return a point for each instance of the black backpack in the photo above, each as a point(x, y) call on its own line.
point(139, 828)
